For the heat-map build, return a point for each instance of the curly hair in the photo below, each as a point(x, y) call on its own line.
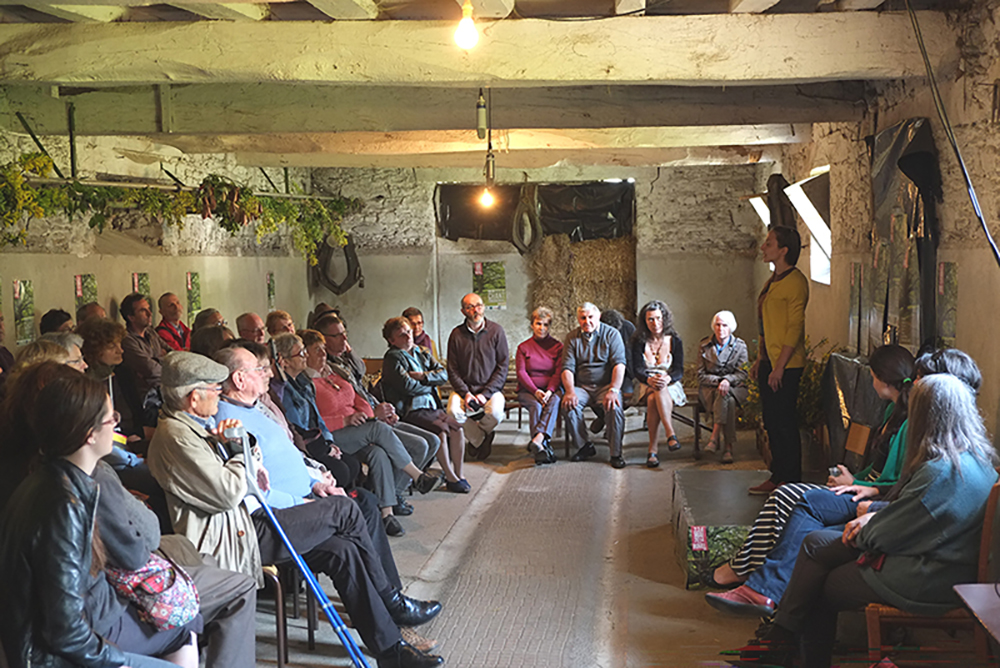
point(97, 335)
point(642, 329)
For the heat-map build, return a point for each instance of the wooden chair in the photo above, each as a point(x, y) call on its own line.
point(272, 575)
point(878, 615)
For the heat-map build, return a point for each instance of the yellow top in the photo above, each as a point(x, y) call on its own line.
point(783, 317)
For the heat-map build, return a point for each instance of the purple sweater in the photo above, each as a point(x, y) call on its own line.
point(538, 364)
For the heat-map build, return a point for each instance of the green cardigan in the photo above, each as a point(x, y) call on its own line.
point(930, 535)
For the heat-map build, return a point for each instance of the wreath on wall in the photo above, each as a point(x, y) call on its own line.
point(27, 193)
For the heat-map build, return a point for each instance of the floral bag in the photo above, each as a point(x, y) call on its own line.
point(163, 593)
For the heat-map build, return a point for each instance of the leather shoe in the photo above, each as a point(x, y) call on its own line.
point(406, 611)
point(427, 483)
point(403, 655)
point(402, 507)
point(471, 451)
point(584, 453)
point(392, 526)
point(597, 425)
point(742, 601)
point(542, 457)
point(551, 453)
point(617, 462)
point(486, 447)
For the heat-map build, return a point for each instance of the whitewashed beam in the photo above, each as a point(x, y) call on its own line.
point(466, 141)
point(79, 13)
point(490, 9)
point(631, 7)
point(519, 160)
point(269, 108)
point(857, 5)
point(347, 9)
point(242, 11)
point(750, 6)
point(727, 49)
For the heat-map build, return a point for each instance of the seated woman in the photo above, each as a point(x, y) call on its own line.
point(911, 553)
point(59, 609)
point(892, 369)
point(410, 378)
point(351, 423)
point(538, 363)
point(722, 380)
point(658, 356)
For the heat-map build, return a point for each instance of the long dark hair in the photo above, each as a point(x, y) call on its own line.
point(66, 411)
point(642, 329)
point(894, 366)
point(953, 361)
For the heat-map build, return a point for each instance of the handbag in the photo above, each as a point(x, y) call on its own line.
point(163, 593)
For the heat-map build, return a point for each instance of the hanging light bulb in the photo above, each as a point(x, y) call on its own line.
point(466, 35)
point(486, 199)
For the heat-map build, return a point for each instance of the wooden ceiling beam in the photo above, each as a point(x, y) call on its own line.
point(239, 11)
point(78, 13)
point(716, 50)
point(347, 10)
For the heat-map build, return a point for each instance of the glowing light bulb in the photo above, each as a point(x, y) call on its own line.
point(466, 35)
point(487, 198)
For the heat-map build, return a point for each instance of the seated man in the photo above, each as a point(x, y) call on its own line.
point(205, 481)
point(207, 317)
point(421, 444)
point(250, 327)
point(478, 360)
point(593, 370)
point(55, 320)
point(141, 348)
point(90, 310)
point(175, 334)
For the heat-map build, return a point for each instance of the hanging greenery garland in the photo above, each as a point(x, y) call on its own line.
point(232, 206)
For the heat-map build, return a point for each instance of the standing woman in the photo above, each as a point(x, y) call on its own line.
point(658, 356)
point(49, 550)
point(538, 375)
point(722, 380)
point(781, 355)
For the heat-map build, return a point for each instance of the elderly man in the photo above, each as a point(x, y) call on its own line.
point(90, 310)
point(141, 347)
point(205, 481)
point(593, 370)
point(251, 327)
point(478, 359)
point(421, 444)
point(175, 334)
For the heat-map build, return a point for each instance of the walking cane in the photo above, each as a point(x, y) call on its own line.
point(353, 651)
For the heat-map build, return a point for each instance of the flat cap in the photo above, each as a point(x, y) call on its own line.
point(182, 368)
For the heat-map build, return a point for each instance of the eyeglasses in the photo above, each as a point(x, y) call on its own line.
point(257, 369)
point(115, 419)
point(205, 388)
point(301, 353)
point(335, 336)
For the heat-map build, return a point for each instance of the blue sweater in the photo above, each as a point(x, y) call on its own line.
point(930, 535)
point(290, 479)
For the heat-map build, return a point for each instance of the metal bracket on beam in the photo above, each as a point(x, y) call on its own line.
point(38, 143)
point(180, 184)
point(268, 179)
point(71, 127)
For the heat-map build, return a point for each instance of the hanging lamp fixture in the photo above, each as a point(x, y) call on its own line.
point(466, 35)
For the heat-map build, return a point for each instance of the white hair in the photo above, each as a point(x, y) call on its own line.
point(726, 317)
point(588, 307)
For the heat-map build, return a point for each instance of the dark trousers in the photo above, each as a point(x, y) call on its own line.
point(332, 537)
point(228, 603)
point(781, 419)
point(825, 581)
point(817, 509)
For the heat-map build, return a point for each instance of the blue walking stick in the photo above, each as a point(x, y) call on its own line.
point(353, 651)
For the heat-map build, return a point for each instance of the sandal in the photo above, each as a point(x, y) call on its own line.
point(673, 445)
point(712, 445)
point(727, 457)
point(652, 460)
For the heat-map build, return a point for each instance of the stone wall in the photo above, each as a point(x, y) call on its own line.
point(967, 94)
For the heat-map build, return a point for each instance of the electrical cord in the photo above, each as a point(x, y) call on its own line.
point(949, 132)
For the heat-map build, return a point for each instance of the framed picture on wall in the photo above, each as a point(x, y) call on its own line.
point(84, 289)
point(24, 312)
point(193, 293)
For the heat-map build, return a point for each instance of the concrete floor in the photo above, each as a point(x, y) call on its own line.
point(565, 565)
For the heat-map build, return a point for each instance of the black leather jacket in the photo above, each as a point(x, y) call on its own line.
point(45, 552)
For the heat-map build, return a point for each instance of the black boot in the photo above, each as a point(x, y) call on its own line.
point(406, 611)
point(402, 655)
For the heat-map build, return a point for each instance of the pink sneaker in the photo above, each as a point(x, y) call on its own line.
point(763, 489)
point(742, 601)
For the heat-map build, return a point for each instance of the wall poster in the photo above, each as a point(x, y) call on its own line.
point(84, 289)
point(270, 291)
point(193, 294)
point(24, 312)
point(489, 281)
point(947, 302)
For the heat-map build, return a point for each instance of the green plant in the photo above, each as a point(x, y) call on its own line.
point(809, 405)
point(232, 206)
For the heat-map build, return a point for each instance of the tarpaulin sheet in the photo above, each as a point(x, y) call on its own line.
point(848, 396)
